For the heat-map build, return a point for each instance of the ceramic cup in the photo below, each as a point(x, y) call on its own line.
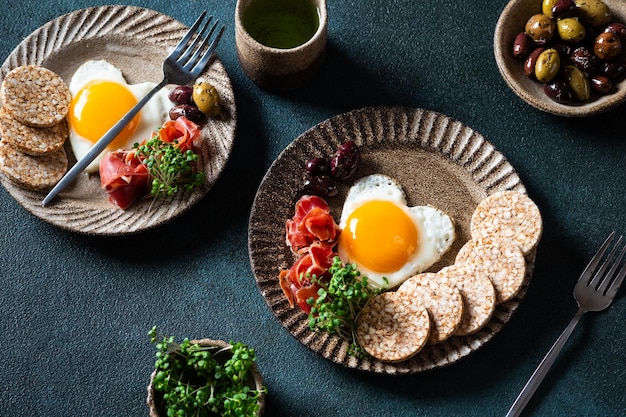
point(279, 68)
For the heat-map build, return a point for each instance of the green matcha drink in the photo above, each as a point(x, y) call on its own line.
point(281, 24)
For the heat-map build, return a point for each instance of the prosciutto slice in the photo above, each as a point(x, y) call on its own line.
point(123, 177)
point(182, 131)
point(312, 222)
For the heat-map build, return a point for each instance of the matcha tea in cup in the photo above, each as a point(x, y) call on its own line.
point(280, 43)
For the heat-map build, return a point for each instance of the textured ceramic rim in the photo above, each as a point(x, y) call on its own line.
point(374, 129)
point(510, 23)
point(126, 32)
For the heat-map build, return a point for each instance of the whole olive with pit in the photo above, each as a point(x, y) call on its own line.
point(584, 59)
point(320, 185)
point(521, 45)
point(548, 65)
point(607, 46)
point(181, 94)
point(190, 111)
point(601, 84)
point(540, 28)
point(206, 98)
point(346, 160)
point(531, 62)
point(318, 166)
point(558, 91)
point(617, 28)
point(562, 8)
point(570, 29)
point(593, 12)
point(578, 82)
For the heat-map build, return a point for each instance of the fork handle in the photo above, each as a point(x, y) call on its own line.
point(542, 370)
point(101, 144)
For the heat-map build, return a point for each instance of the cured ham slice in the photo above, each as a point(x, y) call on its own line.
point(123, 177)
point(312, 222)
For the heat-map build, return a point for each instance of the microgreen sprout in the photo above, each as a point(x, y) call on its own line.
point(170, 168)
point(338, 302)
point(203, 381)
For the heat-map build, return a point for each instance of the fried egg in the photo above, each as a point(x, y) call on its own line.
point(387, 240)
point(100, 97)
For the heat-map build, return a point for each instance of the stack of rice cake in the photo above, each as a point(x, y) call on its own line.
point(33, 127)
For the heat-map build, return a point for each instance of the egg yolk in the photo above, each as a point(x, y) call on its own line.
point(380, 236)
point(97, 107)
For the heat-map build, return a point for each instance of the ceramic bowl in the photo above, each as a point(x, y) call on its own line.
point(511, 22)
point(155, 398)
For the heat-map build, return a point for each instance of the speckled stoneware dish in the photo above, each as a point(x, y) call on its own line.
point(511, 22)
point(136, 40)
point(278, 69)
point(154, 399)
point(437, 160)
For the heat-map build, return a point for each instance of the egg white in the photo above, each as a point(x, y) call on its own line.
point(151, 117)
point(435, 229)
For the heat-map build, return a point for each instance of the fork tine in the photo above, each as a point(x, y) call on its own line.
point(599, 276)
point(184, 57)
point(616, 283)
point(197, 69)
point(587, 274)
point(183, 42)
point(198, 50)
point(604, 286)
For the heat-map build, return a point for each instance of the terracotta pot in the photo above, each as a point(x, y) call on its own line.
point(155, 398)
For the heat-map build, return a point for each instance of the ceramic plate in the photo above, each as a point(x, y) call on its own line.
point(438, 160)
point(136, 40)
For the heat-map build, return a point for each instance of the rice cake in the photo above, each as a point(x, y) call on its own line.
point(442, 300)
point(35, 96)
point(479, 297)
point(392, 328)
point(511, 215)
point(31, 140)
point(37, 173)
point(500, 260)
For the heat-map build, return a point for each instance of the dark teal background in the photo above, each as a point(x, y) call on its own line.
point(74, 309)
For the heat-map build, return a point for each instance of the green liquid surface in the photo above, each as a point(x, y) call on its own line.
point(281, 24)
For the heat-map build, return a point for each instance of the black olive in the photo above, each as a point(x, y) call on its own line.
point(346, 160)
point(318, 166)
point(189, 111)
point(320, 185)
point(181, 94)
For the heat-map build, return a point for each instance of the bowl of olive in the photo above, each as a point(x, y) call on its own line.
point(565, 57)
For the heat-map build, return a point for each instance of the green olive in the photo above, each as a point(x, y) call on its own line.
point(546, 7)
point(570, 29)
point(206, 97)
point(594, 12)
point(578, 82)
point(547, 66)
point(540, 28)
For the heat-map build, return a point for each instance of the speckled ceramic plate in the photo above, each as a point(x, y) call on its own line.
point(438, 160)
point(136, 40)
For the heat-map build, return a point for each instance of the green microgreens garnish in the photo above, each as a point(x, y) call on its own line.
point(339, 301)
point(204, 380)
point(169, 167)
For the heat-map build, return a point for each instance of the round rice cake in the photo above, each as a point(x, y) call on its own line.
point(392, 328)
point(36, 173)
point(35, 96)
point(479, 297)
point(500, 260)
point(31, 140)
point(510, 215)
point(442, 300)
